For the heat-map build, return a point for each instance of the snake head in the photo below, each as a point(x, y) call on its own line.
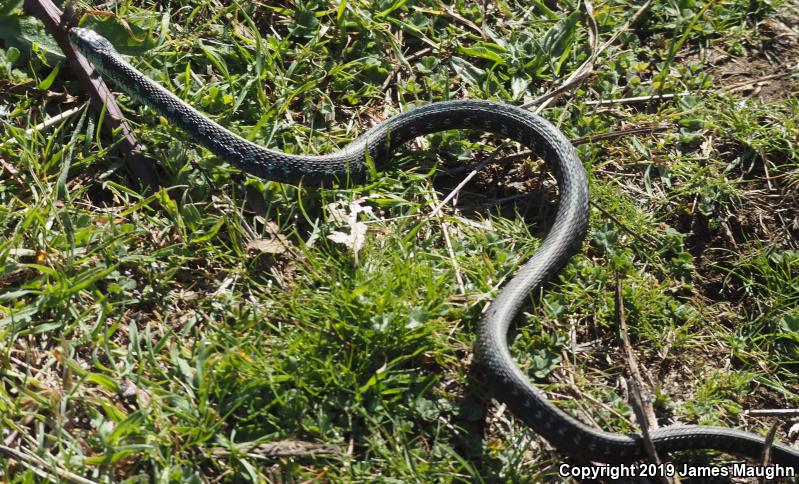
point(89, 42)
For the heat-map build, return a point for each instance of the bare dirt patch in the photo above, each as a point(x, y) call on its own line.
point(769, 70)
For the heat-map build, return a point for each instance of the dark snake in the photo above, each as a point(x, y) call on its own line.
point(511, 385)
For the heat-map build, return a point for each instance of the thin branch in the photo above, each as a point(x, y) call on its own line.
point(46, 124)
point(624, 227)
point(631, 100)
point(100, 95)
point(644, 412)
point(465, 21)
point(768, 445)
point(593, 138)
point(437, 210)
point(773, 412)
point(448, 242)
point(398, 67)
point(753, 83)
point(593, 27)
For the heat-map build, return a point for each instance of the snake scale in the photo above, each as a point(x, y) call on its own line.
point(512, 386)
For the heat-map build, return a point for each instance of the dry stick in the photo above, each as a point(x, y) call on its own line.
point(465, 21)
point(448, 243)
point(47, 123)
point(644, 412)
point(527, 153)
point(586, 67)
point(619, 133)
point(593, 27)
point(754, 82)
point(633, 100)
point(583, 71)
point(436, 211)
point(11, 438)
point(773, 412)
point(769, 444)
point(281, 448)
point(100, 95)
point(627, 229)
point(398, 68)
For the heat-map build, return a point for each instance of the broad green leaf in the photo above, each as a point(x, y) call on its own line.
point(11, 296)
point(104, 381)
point(13, 55)
point(559, 40)
point(25, 32)
point(486, 50)
point(469, 72)
point(20, 316)
point(48, 81)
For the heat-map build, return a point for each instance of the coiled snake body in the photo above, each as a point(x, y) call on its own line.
point(512, 386)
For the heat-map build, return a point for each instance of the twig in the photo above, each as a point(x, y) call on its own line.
point(632, 100)
point(465, 21)
point(46, 124)
point(398, 67)
point(644, 412)
point(317, 477)
point(767, 446)
point(280, 448)
point(593, 27)
point(448, 242)
point(773, 412)
point(620, 133)
point(100, 95)
point(624, 227)
point(752, 83)
point(437, 210)
point(11, 438)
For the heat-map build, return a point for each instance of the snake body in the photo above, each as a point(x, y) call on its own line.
point(512, 386)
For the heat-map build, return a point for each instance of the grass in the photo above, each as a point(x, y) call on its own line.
point(213, 330)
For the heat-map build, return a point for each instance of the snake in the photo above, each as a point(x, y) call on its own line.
point(563, 239)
